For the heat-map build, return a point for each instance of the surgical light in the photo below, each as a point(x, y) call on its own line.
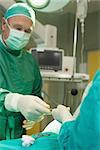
point(38, 3)
point(48, 6)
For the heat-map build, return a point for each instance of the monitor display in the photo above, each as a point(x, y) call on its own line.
point(49, 59)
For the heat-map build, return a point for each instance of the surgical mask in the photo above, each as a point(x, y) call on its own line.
point(17, 39)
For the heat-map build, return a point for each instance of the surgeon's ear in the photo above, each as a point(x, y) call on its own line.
point(3, 24)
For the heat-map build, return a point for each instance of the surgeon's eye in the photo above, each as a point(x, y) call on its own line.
point(28, 30)
point(19, 29)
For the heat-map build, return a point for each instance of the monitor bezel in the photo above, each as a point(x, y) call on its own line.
point(50, 67)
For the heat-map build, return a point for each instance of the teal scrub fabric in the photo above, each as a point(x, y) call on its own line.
point(84, 132)
point(43, 143)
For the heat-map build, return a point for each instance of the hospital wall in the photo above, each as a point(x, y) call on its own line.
point(93, 62)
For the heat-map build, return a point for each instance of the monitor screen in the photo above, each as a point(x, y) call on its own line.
point(49, 59)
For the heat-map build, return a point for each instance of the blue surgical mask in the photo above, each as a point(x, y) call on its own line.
point(17, 39)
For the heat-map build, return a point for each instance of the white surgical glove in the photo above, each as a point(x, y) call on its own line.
point(31, 107)
point(62, 114)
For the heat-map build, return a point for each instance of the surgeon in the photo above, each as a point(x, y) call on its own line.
point(20, 79)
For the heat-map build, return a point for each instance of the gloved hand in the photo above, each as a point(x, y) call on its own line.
point(29, 124)
point(31, 107)
point(62, 114)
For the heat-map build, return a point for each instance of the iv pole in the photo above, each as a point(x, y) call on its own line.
point(81, 13)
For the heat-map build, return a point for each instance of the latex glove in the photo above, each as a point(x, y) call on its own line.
point(31, 107)
point(62, 114)
point(29, 124)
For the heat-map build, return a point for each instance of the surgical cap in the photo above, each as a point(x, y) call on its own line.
point(20, 9)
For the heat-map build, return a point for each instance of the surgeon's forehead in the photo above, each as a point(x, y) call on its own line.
point(22, 21)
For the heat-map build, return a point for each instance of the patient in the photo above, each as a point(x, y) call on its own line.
point(78, 132)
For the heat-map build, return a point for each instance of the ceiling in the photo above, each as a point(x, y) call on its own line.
point(93, 6)
point(6, 3)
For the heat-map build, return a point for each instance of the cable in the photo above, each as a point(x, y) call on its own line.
point(82, 48)
point(50, 100)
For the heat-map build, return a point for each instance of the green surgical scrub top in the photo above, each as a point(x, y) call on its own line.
point(19, 73)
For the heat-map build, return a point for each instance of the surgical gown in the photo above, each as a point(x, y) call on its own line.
point(19, 73)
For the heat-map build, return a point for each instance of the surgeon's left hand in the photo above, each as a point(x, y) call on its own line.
point(29, 124)
point(62, 114)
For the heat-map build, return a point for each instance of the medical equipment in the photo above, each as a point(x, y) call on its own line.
point(68, 66)
point(48, 6)
point(49, 58)
point(38, 4)
point(82, 7)
point(53, 63)
point(45, 35)
point(81, 13)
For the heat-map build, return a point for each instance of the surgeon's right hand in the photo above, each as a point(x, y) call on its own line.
point(31, 107)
